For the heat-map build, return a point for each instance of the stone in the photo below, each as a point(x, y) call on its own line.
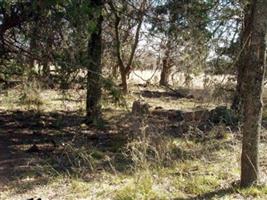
point(222, 114)
point(196, 116)
point(140, 108)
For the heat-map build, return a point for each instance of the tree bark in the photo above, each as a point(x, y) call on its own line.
point(33, 49)
point(46, 70)
point(115, 71)
point(48, 58)
point(124, 83)
point(254, 61)
point(166, 62)
point(125, 67)
point(166, 68)
point(93, 107)
point(245, 34)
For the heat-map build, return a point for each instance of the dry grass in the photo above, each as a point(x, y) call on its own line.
point(210, 172)
point(149, 164)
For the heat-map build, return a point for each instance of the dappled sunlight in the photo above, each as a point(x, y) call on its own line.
point(133, 100)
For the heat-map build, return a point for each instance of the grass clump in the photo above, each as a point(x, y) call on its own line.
point(255, 192)
point(30, 95)
point(201, 184)
point(142, 187)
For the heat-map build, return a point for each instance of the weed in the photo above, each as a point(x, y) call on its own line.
point(30, 95)
point(141, 187)
point(254, 192)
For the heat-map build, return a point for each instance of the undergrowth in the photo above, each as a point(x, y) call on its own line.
point(142, 164)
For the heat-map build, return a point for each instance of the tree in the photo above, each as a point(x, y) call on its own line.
point(66, 34)
point(14, 15)
point(253, 61)
point(166, 66)
point(236, 104)
point(166, 61)
point(128, 20)
point(94, 69)
point(183, 27)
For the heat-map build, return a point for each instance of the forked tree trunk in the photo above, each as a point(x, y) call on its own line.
point(125, 68)
point(254, 60)
point(93, 107)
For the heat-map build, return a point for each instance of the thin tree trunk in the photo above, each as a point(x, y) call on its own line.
point(115, 71)
point(33, 49)
point(93, 107)
point(47, 59)
point(254, 61)
point(46, 70)
point(125, 68)
point(165, 73)
point(124, 83)
point(2, 45)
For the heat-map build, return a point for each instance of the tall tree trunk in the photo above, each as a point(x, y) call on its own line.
point(166, 64)
point(48, 58)
point(245, 33)
point(236, 104)
point(33, 49)
point(165, 73)
point(93, 107)
point(2, 45)
point(254, 61)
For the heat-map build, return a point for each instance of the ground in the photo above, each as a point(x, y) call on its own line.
point(48, 152)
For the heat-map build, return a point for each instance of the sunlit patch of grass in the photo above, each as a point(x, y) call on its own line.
point(142, 187)
point(79, 187)
point(264, 113)
point(187, 178)
point(200, 184)
point(157, 166)
point(186, 144)
point(8, 100)
point(193, 179)
point(45, 100)
point(255, 192)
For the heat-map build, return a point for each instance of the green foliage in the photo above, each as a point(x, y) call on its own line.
point(182, 16)
point(220, 66)
point(222, 114)
point(113, 91)
point(10, 70)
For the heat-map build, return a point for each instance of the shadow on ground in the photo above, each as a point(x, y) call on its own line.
point(30, 140)
point(34, 145)
point(158, 94)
